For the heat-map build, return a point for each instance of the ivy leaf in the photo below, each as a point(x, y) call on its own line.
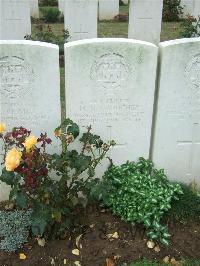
point(22, 200)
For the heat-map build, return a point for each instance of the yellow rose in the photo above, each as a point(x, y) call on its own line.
point(30, 143)
point(13, 159)
point(2, 128)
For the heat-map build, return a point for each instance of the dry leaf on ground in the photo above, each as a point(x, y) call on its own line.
point(76, 252)
point(109, 262)
point(22, 256)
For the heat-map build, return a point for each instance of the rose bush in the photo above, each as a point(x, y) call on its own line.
point(29, 170)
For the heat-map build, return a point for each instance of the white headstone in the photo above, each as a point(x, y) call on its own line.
point(108, 9)
point(177, 130)
point(30, 88)
point(191, 7)
point(110, 85)
point(34, 8)
point(145, 18)
point(15, 21)
point(81, 19)
point(61, 5)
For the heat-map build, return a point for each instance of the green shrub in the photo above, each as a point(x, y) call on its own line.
point(28, 169)
point(188, 206)
point(172, 10)
point(51, 14)
point(45, 33)
point(191, 27)
point(137, 192)
point(14, 229)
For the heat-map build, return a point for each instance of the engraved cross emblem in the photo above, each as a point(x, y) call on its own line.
point(192, 143)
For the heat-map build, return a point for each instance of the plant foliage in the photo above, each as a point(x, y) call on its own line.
point(137, 192)
point(172, 10)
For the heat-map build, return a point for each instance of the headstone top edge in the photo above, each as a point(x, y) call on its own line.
point(31, 43)
point(108, 40)
point(179, 42)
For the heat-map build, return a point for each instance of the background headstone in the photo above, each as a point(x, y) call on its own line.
point(34, 8)
point(177, 129)
point(15, 20)
point(61, 5)
point(145, 18)
point(110, 85)
point(191, 7)
point(108, 9)
point(30, 88)
point(81, 19)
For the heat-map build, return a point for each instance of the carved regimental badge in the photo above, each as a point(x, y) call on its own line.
point(16, 77)
point(111, 72)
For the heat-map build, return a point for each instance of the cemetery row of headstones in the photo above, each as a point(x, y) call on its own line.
point(111, 85)
point(145, 17)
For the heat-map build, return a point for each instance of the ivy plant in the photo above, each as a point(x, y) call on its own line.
point(138, 192)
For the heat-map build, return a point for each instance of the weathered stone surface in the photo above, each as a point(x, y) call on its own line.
point(108, 9)
point(81, 19)
point(177, 131)
point(110, 85)
point(191, 7)
point(29, 86)
point(15, 21)
point(145, 20)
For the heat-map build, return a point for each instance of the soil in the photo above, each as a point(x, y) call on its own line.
point(95, 246)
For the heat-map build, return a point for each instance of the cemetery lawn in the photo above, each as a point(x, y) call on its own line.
point(129, 244)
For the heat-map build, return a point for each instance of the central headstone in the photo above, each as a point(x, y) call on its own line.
point(110, 85)
point(81, 19)
point(15, 20)
point(29, 88)
point(145, 18)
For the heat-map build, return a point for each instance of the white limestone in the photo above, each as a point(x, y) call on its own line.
point(110, 85)
point(81, 19)
point(108, 9)
point(30, 88)
point(34, 8)
point(191, 7)
point(177, 131)
point(145, 18)
point(61, 5)
point(15, 21)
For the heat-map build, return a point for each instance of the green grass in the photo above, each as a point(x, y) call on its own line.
point(193, 262)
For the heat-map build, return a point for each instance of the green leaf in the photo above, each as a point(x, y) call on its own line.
point(22, 200)
point(7, 177)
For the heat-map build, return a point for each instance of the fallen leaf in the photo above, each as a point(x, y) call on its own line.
point(166, 259)
point(173, 261)
point(41, 242)
point(115, 235)
point(157, 249)
point(116, 257)
point(53, 262)
point(109, 262)
point(77, 263)
point(76, 252)
point(22, 256)
point(150, 244)
point(77, 240)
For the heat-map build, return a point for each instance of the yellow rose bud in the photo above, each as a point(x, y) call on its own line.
point(2, 128)
point(13, 159)
point(57, 133)
point(30, 143)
